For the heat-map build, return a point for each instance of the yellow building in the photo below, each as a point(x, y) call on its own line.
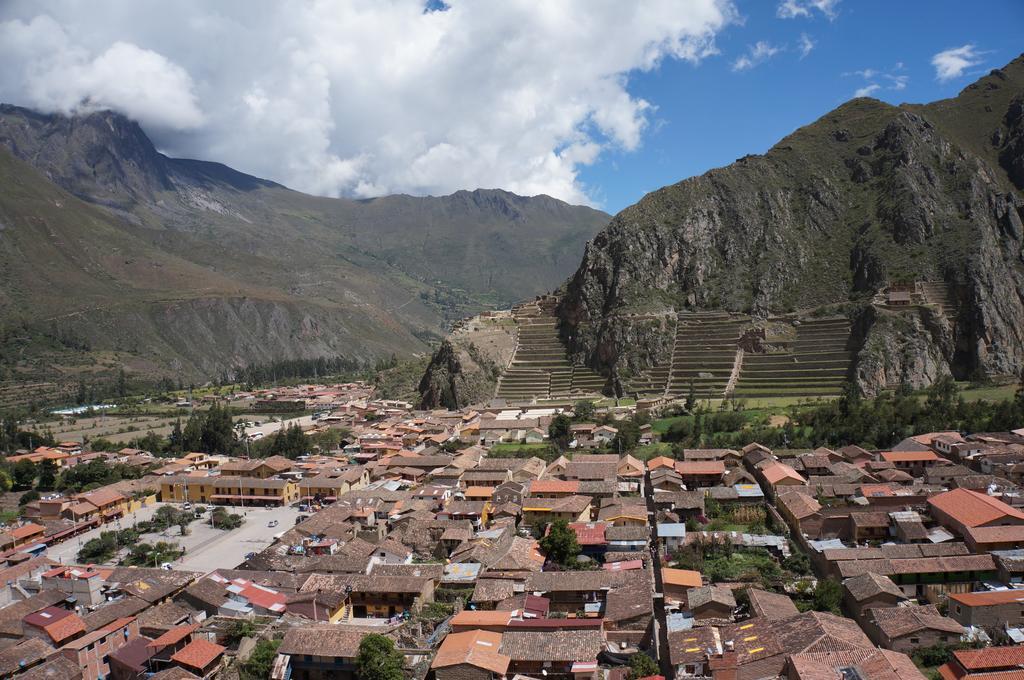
point(538, 511)
point(223, 490)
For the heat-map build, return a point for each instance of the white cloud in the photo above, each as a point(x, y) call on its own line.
point(805, 45)
point(756, 54)
point(897, 82)
point(953, 62)
point(364, 97)
point(791, 9)
point(61, 76)
point(878, 80)
point(867, 90)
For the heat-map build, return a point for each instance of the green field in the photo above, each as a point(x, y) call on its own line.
point(992, 393)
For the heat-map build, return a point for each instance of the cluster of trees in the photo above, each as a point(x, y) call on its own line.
point(560, 435)
point(873, 423)
point(210, 431)
point(889, 418)
point(254, 375)
point(153, 554)
point(379, 659)
point(290, 442)
point(13, 438)
point(220, 518)
point(25, 474)
point(560, 544)
point(168, 516)
point(103, 548)
point(260, 661)
point(44, 476)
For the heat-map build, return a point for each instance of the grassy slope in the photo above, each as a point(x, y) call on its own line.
point(93, 288)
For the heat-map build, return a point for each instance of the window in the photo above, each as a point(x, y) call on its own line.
point(915, 641)
point(958, 609)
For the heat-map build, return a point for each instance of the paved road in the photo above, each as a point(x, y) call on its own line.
point(660, 620)
point(270, 428)
point(216, 549)
point(206, 547)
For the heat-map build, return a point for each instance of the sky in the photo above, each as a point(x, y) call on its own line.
point(590, 101)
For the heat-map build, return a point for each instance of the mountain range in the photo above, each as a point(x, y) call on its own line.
point(868, 199)
point(113, 254)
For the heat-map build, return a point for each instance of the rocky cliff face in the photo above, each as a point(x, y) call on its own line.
point(454, 379)
point(869, 195)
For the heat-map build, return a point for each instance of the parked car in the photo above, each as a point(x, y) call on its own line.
point(272, 523)
point(301, 518)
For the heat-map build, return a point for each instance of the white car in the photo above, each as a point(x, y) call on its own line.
point(272, 523)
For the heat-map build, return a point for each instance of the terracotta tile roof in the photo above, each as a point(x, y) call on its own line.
point(991, 658)
point(986, 535)
point(174, 635)
point(700, 467)
point(989, 598)
point(776, 472)
point(698, 597)
point(880, 664)
point(799, 504)
point(577, 469)
point(59, 624)
point(198, 654)
point(870, 584)
point(553, 486)
point(477, 648)
point(629, 602)
point(909, 456)
point(896, 622)
point(661, 462)
point(135, 653)
point(571, 581)
point(483, 618)
point(26, 530)
point(771, 605)
point(552, 645)
point(573, 504)
point(921, 565)
point(973, 509)
point(29, 651)
point(323, 640)
point(681, 577)
point(493, 589)
point(589, 533)
point(58, 668)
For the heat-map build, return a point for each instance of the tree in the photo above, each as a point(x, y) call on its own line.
point(222, 519)
point(122, 384)
point(691, 396)
point(627, 437)
point(642, 666)
point(378, 659)
point(175, 441)
point(290, 442)
point(192, 436)
point(218, 431)
point(260, 661)
point(239, 629)
point(28, 497)
point(559, 431)
point(828, 595)
point(583, 410)
point(24, 473)
point(560, 544)
point(5, 481)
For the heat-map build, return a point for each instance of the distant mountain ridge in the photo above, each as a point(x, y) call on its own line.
point(867, 197)
point(190, 267)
